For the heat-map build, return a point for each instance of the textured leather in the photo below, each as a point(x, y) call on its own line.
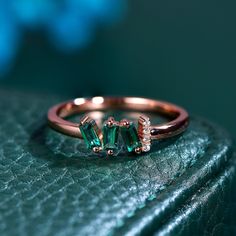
point(208, 212)
point(50, 185)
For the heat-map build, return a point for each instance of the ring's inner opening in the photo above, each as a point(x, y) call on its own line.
point(119, 108)
point(102, 116)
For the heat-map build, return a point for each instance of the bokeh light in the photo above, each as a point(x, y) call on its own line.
point(69, 24)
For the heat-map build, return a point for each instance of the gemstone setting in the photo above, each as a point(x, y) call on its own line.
point(110, 136)
point(135, 140)
point(130, 136)
point(91, 134)
point(144, 132)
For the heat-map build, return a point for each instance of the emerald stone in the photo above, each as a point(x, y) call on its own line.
point(90, 133)
point(110, 136)
point(130, 137)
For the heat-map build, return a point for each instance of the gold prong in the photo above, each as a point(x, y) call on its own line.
point(125, 123)
point(144, 132)
point(143, 119)
point(97, 149)
point(110, 152)
point(84, 119)
point(110, 121)
point(138, 150)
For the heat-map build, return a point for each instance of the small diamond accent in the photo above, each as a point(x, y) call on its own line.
point(144, 132)
point(147, 123)
point(146, 139)
point(146, 148)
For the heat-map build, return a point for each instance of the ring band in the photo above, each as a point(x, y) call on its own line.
point(146, 132)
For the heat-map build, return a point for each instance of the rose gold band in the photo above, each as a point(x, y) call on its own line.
point(179, 117)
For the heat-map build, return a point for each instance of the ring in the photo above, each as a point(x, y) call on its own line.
point(136, 139)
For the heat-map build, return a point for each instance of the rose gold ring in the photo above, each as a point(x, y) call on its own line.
point(106, 138)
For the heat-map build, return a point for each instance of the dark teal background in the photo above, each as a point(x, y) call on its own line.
point(180, 51)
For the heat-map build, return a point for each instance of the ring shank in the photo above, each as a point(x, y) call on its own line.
point(179, 117)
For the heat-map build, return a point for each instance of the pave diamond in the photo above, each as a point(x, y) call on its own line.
point(144, 133)
point(146, 148)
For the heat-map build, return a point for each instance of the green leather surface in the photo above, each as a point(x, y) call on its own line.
point(49, 185)
point(209, 212)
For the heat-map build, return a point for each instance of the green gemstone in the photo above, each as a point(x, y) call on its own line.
point(110, 136)
point(89, 132)
point(130, 137)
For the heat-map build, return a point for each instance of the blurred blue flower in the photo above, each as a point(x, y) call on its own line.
point(70, 24)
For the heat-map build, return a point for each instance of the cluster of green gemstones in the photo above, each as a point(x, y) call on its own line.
point(107, 138)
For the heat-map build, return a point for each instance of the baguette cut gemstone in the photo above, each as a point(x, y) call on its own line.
point(90, 133)
point(130, 137)
point(110, 136)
